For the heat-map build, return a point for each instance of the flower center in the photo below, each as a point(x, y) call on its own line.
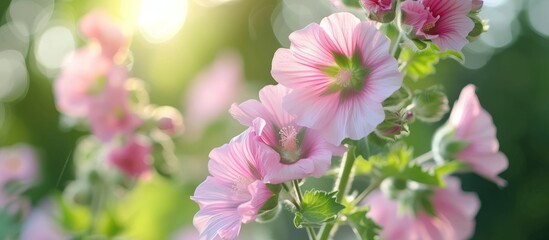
point(344, 77)
point(290, 151)
point(348, 74)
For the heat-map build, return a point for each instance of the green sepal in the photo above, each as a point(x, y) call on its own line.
point(364, 227)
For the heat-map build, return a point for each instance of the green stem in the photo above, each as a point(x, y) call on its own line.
point(423, 158)
point(297, 189)
point(341, 185)
point(96, 207)
point(373, 185)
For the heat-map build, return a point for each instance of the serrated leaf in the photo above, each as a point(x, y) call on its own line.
point(396, 164)
point(419, 64)
point(318, 207)
point(364, 227)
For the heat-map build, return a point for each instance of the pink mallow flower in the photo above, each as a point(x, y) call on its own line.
point(98, 27)
point(236, 191)
point(444, 22)
point(18, 163)
point(340, 72)
point(303, 152)
point(470, 136)
point(454, 220)
point(132, 158)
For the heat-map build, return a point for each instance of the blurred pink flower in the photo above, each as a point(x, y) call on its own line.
point(235, 192)
point(18, 163)
point(212, 91)
point(473, 125)
point(445, 22)
point(132, 158)
point(42, 224)
point(111, 115)
point(303, 152)
point(98, 27)
point(14, 204)
point(340, 72)
point(454, 220)
point(84, 77)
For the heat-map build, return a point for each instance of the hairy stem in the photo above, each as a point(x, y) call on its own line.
point(423, 158)
point(342, 184)
point(373, 185)
point(297, 189)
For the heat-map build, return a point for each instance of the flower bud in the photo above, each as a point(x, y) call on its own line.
point(271, 208)
point(398, 100)
point(380, 10)
point(169, 120)
point(394, 126)
point(445, 146)
point(480, 27)
point(430, 105)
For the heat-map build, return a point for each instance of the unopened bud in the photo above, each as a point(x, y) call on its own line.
point(169, 120)
point(380, 10)
point(480, 27)
point(398, 100)
point(430, 105)
point(393, 127)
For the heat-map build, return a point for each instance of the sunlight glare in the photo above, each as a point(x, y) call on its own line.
point(160, 20)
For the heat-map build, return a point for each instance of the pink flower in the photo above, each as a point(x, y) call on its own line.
point(18, 163)
point(340, 72)
point(213, 91)
point(111, 114)
point(98, 27)
point(445, 22)
point(42, 224)
point(471, 124)
point(454, 220)
point(236, 190)
point(303, 151)
point(169, 120)
point(133, 158)
point(84, 77)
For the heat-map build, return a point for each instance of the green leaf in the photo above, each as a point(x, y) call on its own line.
point(365, 228)
point(419, 64)
point(396, 164)
point(318, 207)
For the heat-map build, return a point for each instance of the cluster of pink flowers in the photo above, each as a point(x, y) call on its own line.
point(93, 86)
point(332, 84)
point(339, 72)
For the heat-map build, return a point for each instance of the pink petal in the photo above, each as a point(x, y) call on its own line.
point(340, 27)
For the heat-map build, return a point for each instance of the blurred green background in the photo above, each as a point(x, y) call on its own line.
point(509, 65)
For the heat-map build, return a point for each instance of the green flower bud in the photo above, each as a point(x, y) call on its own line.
point(398, 100)
point(480, 27)
point(394, 126)
point(445, 146)
point(430, 105)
